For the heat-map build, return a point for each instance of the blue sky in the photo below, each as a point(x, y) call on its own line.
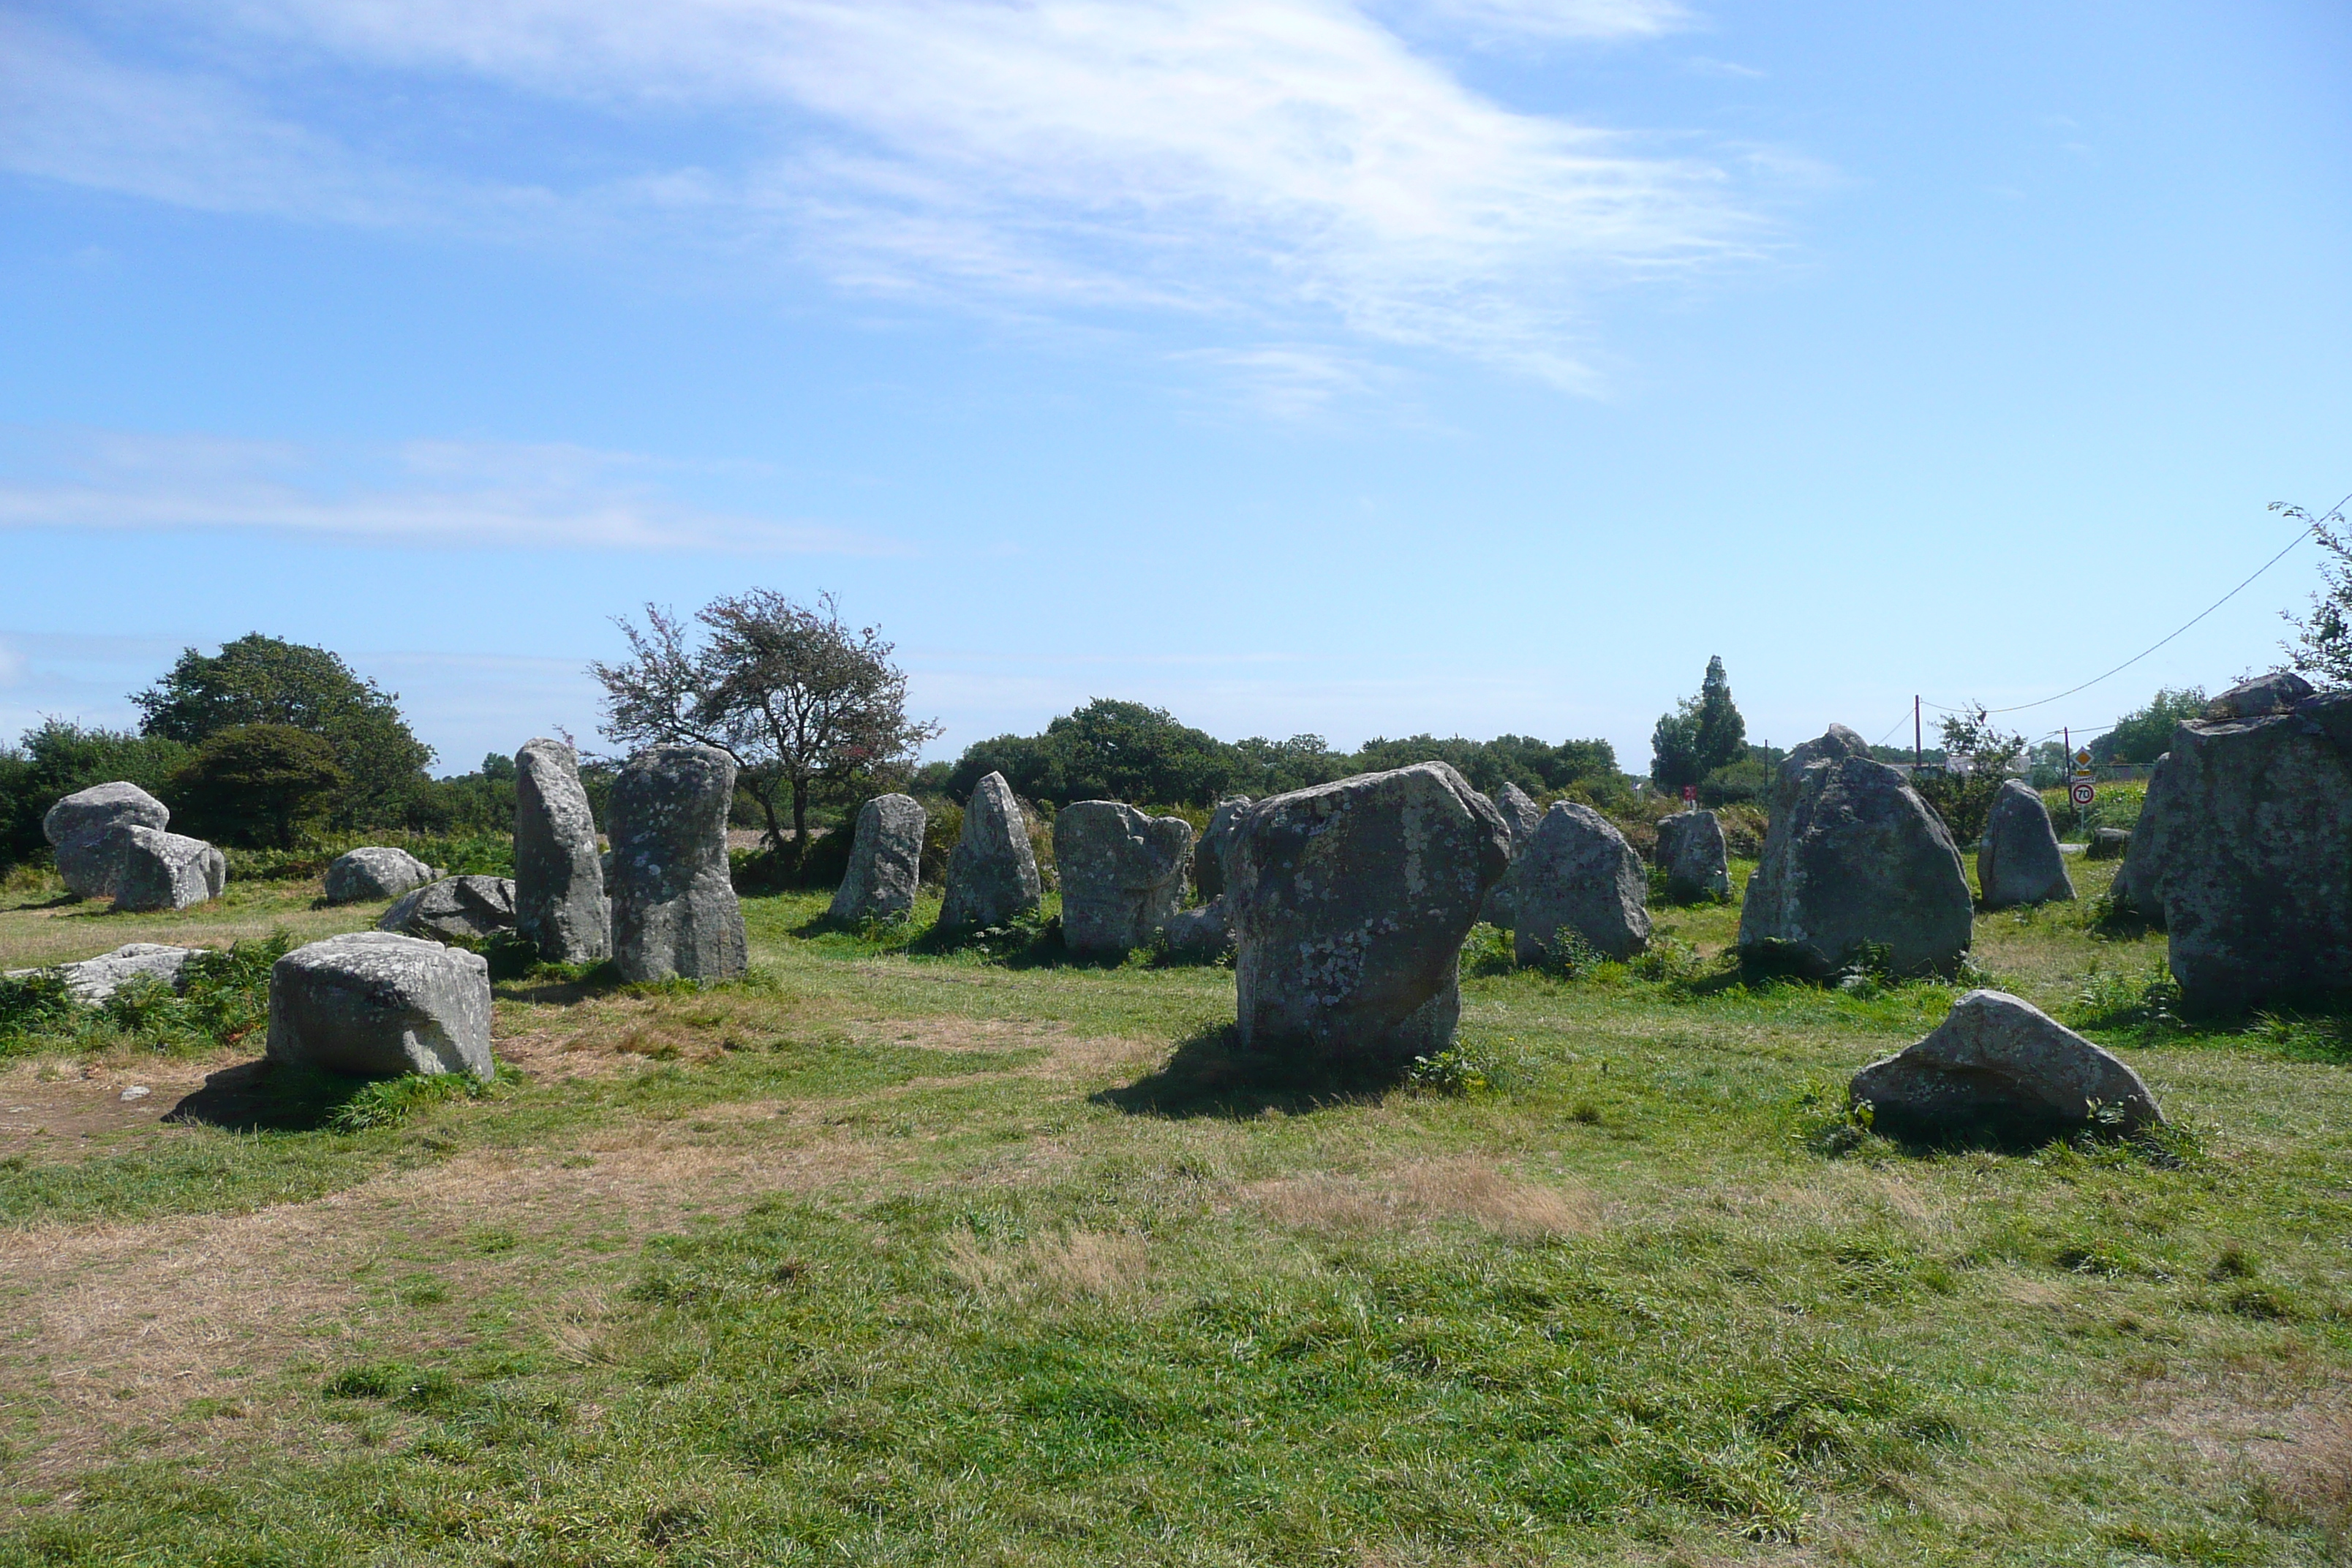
point(1302, 365)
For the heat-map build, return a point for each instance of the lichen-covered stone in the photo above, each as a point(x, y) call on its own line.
point(1694, 856)
point(1855, 863)
point(886, 861)
point(992, 871)
point(1202, 935)
point(1349, 903)
point(378, 1004)
point(77, 828)
point(93, 980)
point(1122, 874)
point(454, 908)
point(2018, 860)
point(1578, 874)
point(364, 876)
point(158, 870)
point(674, 909)
point(1521, 816)
point(1999, 1067)
point(1216, 845)
point(558, 882)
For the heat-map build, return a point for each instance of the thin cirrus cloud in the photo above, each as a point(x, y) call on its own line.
point(1275, 168)
point(420, 493)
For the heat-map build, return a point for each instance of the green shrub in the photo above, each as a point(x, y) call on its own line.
point(257, 784)
point(1963, 801)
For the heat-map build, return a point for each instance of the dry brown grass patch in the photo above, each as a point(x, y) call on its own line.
point(1460, 1188)
point(1078, 1263)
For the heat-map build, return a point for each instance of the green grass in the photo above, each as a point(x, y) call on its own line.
point(905, 1253)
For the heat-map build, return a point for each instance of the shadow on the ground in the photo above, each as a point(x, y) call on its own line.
point(1212, 1074)
point(267, 1097)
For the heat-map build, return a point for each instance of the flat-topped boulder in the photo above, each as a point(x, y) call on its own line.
point(2276, 692)
point(992, 871)
point(886, 861)
point(1855, 864)
point(2107, 844)
point(2254, 872)
point(1999, 1067)
point(1578, 876)
point(675, 914)
point(454, 908)
point(1349, 903)
point(378, 871)
point(1202, 935)
point(2018, 860)
point(93, 980)
point(377, 1004)
point(1521, 815)
point(1694, 856)
point(77, 827)
point(158, 870)
point(1122, 874)
point(558, 882)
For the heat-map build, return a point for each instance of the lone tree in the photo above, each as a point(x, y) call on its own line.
point(794, 694)
point(1704, 733)
point(2323, 644)
point(259, 783)
point(261, 680)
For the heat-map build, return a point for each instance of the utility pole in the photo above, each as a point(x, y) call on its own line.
point(1917, 753)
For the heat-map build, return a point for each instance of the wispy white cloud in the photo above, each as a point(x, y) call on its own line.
point(1259, 164)
point(426, 493)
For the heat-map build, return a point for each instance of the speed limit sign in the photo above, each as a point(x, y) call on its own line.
point(2083, 792)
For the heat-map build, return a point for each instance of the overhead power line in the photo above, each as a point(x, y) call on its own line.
point(2313, 528)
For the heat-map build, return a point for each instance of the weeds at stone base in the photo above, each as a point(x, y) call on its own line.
point(223, 998)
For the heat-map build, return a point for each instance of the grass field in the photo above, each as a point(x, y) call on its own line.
point(892, 1256)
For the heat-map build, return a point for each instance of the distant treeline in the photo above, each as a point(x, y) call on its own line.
point(1128, 751)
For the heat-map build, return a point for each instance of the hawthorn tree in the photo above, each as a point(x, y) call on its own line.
point(795, 694)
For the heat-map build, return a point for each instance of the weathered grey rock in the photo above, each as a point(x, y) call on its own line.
point(674, 909)
point(886, 861)
point(363, 876)
point(378, 1004)
point(1692, 853)
point(76, 824)
point(1216, 845)
point(2276, 692)
point(158, 870)
point(2139, 881)
point(1349, 903)
point(1853, 858)
point(2018, 860)
point(93, 980)
point(454, 908)
point(559, 880)
point(2254, 868)
point(2107, 844)
point(992, 872)
point(1122, 874)
point(1520, 817)
point(1205, 934)
point(1999, 1067)
point(1578, 874)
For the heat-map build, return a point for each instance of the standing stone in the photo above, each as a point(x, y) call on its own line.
point(379, 1004)
point(1521, 816)
point(886, 861)
point(1216, 846)
point(1349, 903)
point(2139, 881)
point(158, 870)
point(364, 876)
point(1855, 859)
point(2256, 862)
point(1692, 853)
point(454, 908)
point(76, 824)
point(2002, 1068)
point(558, 875)
point(2018, 860)
point(1578, 874)
point(992, 873)
point(1122, 874)
point(674, 909)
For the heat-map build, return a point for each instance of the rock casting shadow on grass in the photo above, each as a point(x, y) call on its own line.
point(1211, 1074)
point(267, 1097)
